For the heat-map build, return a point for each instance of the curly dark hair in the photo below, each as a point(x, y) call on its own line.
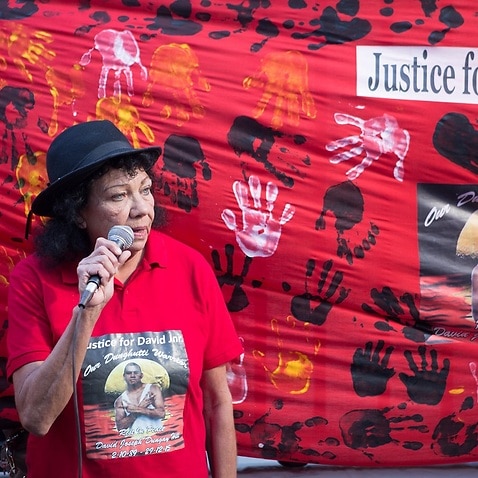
point(61, 239)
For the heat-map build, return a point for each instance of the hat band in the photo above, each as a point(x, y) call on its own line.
point(104, 150)
point(101, 153)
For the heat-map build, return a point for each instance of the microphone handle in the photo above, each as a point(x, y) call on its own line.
point(91, 287)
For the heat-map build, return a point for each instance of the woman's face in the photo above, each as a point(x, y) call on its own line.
point(117, 198)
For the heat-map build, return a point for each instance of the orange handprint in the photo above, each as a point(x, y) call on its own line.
point(292, 370)
point(174, 68)
point(65, 88)
point(283, 75)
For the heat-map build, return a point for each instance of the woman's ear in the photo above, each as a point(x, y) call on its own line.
point(81, 223)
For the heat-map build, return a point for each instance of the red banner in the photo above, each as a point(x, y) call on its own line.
point(323, 157)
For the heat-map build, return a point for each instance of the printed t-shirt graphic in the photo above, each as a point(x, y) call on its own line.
point(134, 388)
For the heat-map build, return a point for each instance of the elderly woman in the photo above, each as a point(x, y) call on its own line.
point(87, 303)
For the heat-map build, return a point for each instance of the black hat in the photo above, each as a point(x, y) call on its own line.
point(79, 151)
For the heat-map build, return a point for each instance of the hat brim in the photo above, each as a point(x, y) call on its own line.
point(43, 204)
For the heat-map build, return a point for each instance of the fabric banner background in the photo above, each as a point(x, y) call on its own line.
point(329, 179)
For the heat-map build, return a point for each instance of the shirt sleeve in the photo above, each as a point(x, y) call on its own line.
point(29, 333)
point(223, 343)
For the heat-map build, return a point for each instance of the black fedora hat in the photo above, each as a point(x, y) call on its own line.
point(79, 151)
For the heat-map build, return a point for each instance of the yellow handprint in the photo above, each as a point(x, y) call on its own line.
point(125, 116)
point(293, 371)
point(174, 68)
point(283, 75)
point(31, 177)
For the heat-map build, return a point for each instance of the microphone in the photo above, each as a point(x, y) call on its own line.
point(123, 236)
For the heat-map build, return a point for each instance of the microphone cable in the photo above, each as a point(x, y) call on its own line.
point(123, 236)
point(75, 393)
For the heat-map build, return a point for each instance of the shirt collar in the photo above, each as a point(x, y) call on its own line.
point(156, 253)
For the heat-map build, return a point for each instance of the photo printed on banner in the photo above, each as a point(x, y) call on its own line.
point(448, 245)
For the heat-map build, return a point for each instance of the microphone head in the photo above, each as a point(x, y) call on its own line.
point(122, 235)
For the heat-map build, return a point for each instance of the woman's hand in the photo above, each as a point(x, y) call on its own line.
point(103, 262)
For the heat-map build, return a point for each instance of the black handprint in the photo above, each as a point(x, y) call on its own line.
point(370, 374)
point(389, 303)
point(238, 300)
point(370, 428)
point(345, 202)
point(250, 137)
point(302, 307)
point(277, 440)
point(182, 156)
point(425, 386)
point(455, 435)
point(456, 138)
point(332, 30)
point(358, 252)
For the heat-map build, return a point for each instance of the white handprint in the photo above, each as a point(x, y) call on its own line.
point(120, 52)
point(260, 232)
point(379, 136)
point(237, 378)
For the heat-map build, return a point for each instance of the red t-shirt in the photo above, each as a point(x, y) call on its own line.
point(170, 319)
